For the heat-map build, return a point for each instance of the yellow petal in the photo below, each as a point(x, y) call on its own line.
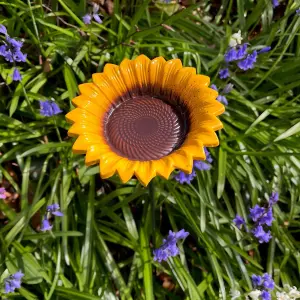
point(78, 114)
point(94, 152)
point(108, 164)
point(206, 135)
point(163, 166)
point(83, 142)
point(91, 105)
point(128, 75)
point(141, 65)
point(81, 128)
point(126, 169)
point(156, 70)
point(182, 161)
point(194, 147)
point(198, 80)
point(171, 68)
point(144, 172)
point(205, 120)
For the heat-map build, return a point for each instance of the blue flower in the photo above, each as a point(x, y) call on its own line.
point(46, 226)
point(3, 29)
point(16, 75)
point(2, 193)
point(256, 212)
point(268, 282)
point(298, 12)
point(222, 99)
point(49, 108)
point(267, 218)
point(224, 73)
point(248, 62)
point(182, 177)
point(87, 19)
point(54, 210)
point(214, 87)
point(265, 295)
point(273, 198)
point(13, 282)
point(275, 3)
point(230, 55)
point(256, 280)
point(239, 221)
point(264, 50)
point(242, 51)
point(228, 88)
point(169, 247)
point(261, 235)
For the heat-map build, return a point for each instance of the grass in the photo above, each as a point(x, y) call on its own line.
point(102, 247)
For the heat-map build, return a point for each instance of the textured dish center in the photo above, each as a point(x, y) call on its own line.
point(144, 128)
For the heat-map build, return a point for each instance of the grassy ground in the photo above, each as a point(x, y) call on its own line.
point(102, 247)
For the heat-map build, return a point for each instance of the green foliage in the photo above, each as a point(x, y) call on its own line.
point(102, 247)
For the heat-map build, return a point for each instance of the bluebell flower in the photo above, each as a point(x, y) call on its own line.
point(273, 198)
point(264, 50)
point(230, 55)
point(46, 226)
point(222, 99)
point(267, 218)
point(3, 29)
point(256, 212)
point(268, 282)
point(298, 12)
point(208, 157)
point(16, 75)
point(169, 247)
point(239, 221)
point(275, 3)
point(49, 108)
point(256, 280)
point(261, 235)
point(248, 62)
point(214, 87)
point(2, 193)
point(228, 88)
point(87, 19)
point(265, 295)
point(201, 165)
point(242, 51)
point(13, 282)
point(54, 210)
point(182, 177)
point(224, 73)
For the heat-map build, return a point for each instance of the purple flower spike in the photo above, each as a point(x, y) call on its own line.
point(239, 221)
point(46, 225)
point(267, 218)
point(242, 51)
point(256, 280)
point(97, 18)
point(181, 177)
point(273, 198)
point(261, 235)
point(230, 55)
point(275, 3)
point(224, 73)
point(298, 12)
point(208, 156)
point(54, 210)
point(3, 29)
point(14, 43)
point(222, 99)
point(49, 108)
point(264, 50)
point(16, 75)
point(256, 212)
point(214, 87)
point(13, 282)
point(87, 19)
point(169, 247)
point(265, 295)
point(2, 193)
point(248, 62)
point(201, 165)
point(268, 281)
point(228, 88)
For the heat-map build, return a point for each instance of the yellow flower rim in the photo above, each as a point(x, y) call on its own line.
point(149, 79)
